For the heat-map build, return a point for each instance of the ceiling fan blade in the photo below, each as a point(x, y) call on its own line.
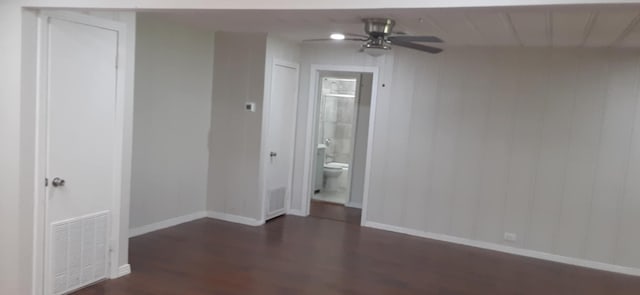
point(431, 39)
point(356, 35)
point(328, 39)
point(415, 46)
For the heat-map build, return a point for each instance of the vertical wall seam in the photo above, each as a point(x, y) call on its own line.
point(616, 243)
point(534, 177)
point(483, 154)
point(459, 112)
point(595, 170)
point(517, 101)
point(407, 140)
point(434, 137)
point(570, 145)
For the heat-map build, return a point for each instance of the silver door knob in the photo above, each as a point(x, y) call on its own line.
point(56, 182)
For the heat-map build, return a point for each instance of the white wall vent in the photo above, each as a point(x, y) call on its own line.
point(79, 251)
point(276, 204)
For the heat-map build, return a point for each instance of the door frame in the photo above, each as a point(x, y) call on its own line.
point(40, 236)
point(356, 112)
point(309, 171)
point(264, 149)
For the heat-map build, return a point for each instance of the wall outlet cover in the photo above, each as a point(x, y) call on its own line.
point(511, 237)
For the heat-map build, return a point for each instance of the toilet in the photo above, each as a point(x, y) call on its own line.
point(332, 172)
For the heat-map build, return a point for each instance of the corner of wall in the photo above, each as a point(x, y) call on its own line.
point(28, 259)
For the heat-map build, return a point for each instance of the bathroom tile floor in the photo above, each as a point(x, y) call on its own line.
point(332, 197)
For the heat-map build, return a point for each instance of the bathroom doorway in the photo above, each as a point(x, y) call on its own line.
point(341, 136)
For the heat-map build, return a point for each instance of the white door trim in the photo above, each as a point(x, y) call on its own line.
point(354, 128)
point(309, 171)
point(40, 206)
point(264, 149)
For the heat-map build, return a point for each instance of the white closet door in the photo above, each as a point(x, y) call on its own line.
point(81, 152)
point(280, 138)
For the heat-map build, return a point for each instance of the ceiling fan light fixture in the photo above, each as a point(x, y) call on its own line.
point(375, 51)
point(337, 36)
point(376, 47)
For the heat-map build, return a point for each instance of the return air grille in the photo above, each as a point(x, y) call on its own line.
point(79, 251)
point(276, 202)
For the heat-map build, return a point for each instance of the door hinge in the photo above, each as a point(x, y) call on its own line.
point(46, 181)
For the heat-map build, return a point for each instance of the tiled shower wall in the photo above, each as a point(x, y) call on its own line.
point(337, 118)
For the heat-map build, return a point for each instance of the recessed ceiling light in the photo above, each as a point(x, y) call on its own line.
point(337, 36)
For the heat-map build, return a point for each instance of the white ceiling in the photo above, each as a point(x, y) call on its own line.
point(583, 26)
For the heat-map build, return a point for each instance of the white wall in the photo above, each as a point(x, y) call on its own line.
point(14, 215)
point(543, 144)
point(474, 143)
point(242, 73)
point(235, 141)
point(27, 149)
point(172, 117)
point(361, 139)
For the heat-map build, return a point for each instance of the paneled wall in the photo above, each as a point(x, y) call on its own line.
point(473, 143)
point(172, 117)
point(237, 155)
point(542, 144)
point(235, 135)
point(361, 141)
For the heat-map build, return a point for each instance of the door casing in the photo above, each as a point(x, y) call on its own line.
point(264, 149)
point(121, 143)
point(309, 152)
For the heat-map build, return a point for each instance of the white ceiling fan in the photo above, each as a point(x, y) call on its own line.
point(380, 36)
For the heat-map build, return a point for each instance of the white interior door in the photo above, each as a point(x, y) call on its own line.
point(81, 151)
point(280, 137)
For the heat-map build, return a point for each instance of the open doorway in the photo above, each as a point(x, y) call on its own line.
point(341, 125)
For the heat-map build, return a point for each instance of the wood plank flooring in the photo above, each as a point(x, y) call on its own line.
point(295, 255)
point(335, 212)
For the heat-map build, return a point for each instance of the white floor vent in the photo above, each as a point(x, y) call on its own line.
point(79, 251)
point(276, 202)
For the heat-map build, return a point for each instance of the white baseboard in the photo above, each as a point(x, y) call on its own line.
point(297, 212)
point(354, 205)
point(234, 218)
point(123, 270)
point(166, 223)
point(507, 249)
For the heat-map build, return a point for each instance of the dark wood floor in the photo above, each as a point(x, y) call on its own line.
point(334, 211)
point(294, 255)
